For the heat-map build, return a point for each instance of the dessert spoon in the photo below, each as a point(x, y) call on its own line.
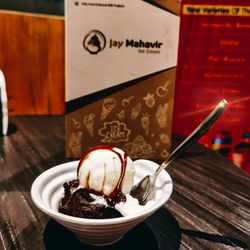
point(143, 190)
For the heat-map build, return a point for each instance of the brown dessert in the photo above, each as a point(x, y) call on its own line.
point(101, 176)
point(79, 203)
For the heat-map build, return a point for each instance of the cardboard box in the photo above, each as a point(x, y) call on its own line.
point(120, 76)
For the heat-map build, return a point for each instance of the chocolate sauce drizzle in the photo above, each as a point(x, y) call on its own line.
point(116, 196)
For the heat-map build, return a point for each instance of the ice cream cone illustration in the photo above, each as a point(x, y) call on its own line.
point(135, 111)
point(107, 107)
point(88, 122)
point(161, 115)
point(75, 143)
point(145, 121)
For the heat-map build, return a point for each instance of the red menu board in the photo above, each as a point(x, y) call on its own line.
point(214, 64)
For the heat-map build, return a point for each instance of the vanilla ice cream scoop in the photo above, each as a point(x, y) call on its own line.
point(106, 170)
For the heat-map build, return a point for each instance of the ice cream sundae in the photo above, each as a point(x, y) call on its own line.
point(105, 176)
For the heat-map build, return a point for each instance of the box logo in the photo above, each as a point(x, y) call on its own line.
point(94, 42)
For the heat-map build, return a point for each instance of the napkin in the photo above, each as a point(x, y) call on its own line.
point(3, 106)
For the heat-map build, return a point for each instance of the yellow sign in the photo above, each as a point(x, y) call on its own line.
point(219, 10)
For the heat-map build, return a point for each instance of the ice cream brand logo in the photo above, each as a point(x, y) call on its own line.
point(94, 42)
point(114, 131)
point(142, 47)
point(131, 43)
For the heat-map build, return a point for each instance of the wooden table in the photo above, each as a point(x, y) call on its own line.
point(209, 207)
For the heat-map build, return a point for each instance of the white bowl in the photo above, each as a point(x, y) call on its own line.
point(47, 191)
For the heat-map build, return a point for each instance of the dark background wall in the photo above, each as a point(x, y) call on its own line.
point(53, 7)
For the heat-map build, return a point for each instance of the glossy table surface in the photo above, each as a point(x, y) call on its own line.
point(209, 207)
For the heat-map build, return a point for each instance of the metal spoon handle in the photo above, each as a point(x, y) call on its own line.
point(195, 135)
